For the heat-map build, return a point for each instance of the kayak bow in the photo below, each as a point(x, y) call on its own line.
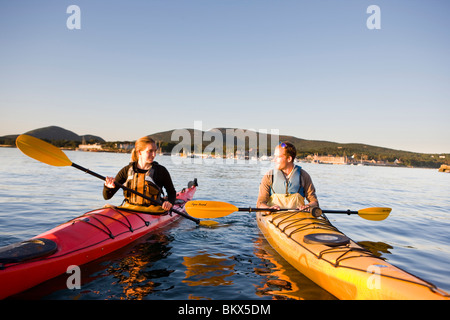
point(90, 236)
point(336, 263)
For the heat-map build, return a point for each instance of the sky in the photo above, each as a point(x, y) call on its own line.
point(308, 68)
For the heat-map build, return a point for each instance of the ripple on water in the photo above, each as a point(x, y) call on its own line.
point(231, 260)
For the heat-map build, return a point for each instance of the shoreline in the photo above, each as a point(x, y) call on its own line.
point(365, 164)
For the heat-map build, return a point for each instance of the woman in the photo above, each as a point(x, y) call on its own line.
point(143, 175)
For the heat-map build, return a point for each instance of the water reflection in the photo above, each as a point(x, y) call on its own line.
point(27, 189)
point(207, 269)
point(281, 280)
point(376, 248)
point(134, 273)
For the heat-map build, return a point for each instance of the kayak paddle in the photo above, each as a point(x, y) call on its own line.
point(218, 209)
point(47, 153)
point(374, 214)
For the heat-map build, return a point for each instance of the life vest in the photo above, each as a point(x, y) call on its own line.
point(287, 192)
point(143, 183)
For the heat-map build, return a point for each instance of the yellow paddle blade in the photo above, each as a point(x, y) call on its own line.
point(375, 214)
point(209, 209)
point(42, 151)
point(208, 223)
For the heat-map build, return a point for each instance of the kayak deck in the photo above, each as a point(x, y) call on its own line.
point(90, 236)
point(336, 263)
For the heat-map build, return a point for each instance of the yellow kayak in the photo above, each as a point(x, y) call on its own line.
point(336, 263)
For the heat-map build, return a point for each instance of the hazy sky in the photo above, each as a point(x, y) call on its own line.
point(312, 68)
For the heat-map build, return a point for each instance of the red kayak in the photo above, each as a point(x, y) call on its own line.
point(94, 234)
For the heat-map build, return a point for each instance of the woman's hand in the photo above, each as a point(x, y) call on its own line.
point(109, 182)
point(166, 205)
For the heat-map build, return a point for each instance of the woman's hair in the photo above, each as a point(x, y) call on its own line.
point(139, 145)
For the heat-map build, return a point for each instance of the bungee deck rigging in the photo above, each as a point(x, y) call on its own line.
point(78, 241)
point(104, 228)
point(290, 233)
point(99, 222)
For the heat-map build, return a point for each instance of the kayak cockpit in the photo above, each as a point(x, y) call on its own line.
point(27, 250)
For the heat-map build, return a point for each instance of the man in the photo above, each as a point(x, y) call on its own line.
point(287, 185)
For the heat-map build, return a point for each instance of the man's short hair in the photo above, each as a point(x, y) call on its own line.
point(289, 148)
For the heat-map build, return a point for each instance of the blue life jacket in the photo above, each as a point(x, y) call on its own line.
point(287, 186)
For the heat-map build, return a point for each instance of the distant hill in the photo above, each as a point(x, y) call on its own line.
point(65, 138)
point(58, 133)
point(54, 133)
point(302, 145)
point(308, 147)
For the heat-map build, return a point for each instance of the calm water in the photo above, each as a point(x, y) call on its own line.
point(231, 261)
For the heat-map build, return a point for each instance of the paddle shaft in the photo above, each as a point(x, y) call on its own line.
point(341, 211)
point(133, 191)
point(249, 209)
point(275, 210)
point(315, 211)
point(217, 209)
